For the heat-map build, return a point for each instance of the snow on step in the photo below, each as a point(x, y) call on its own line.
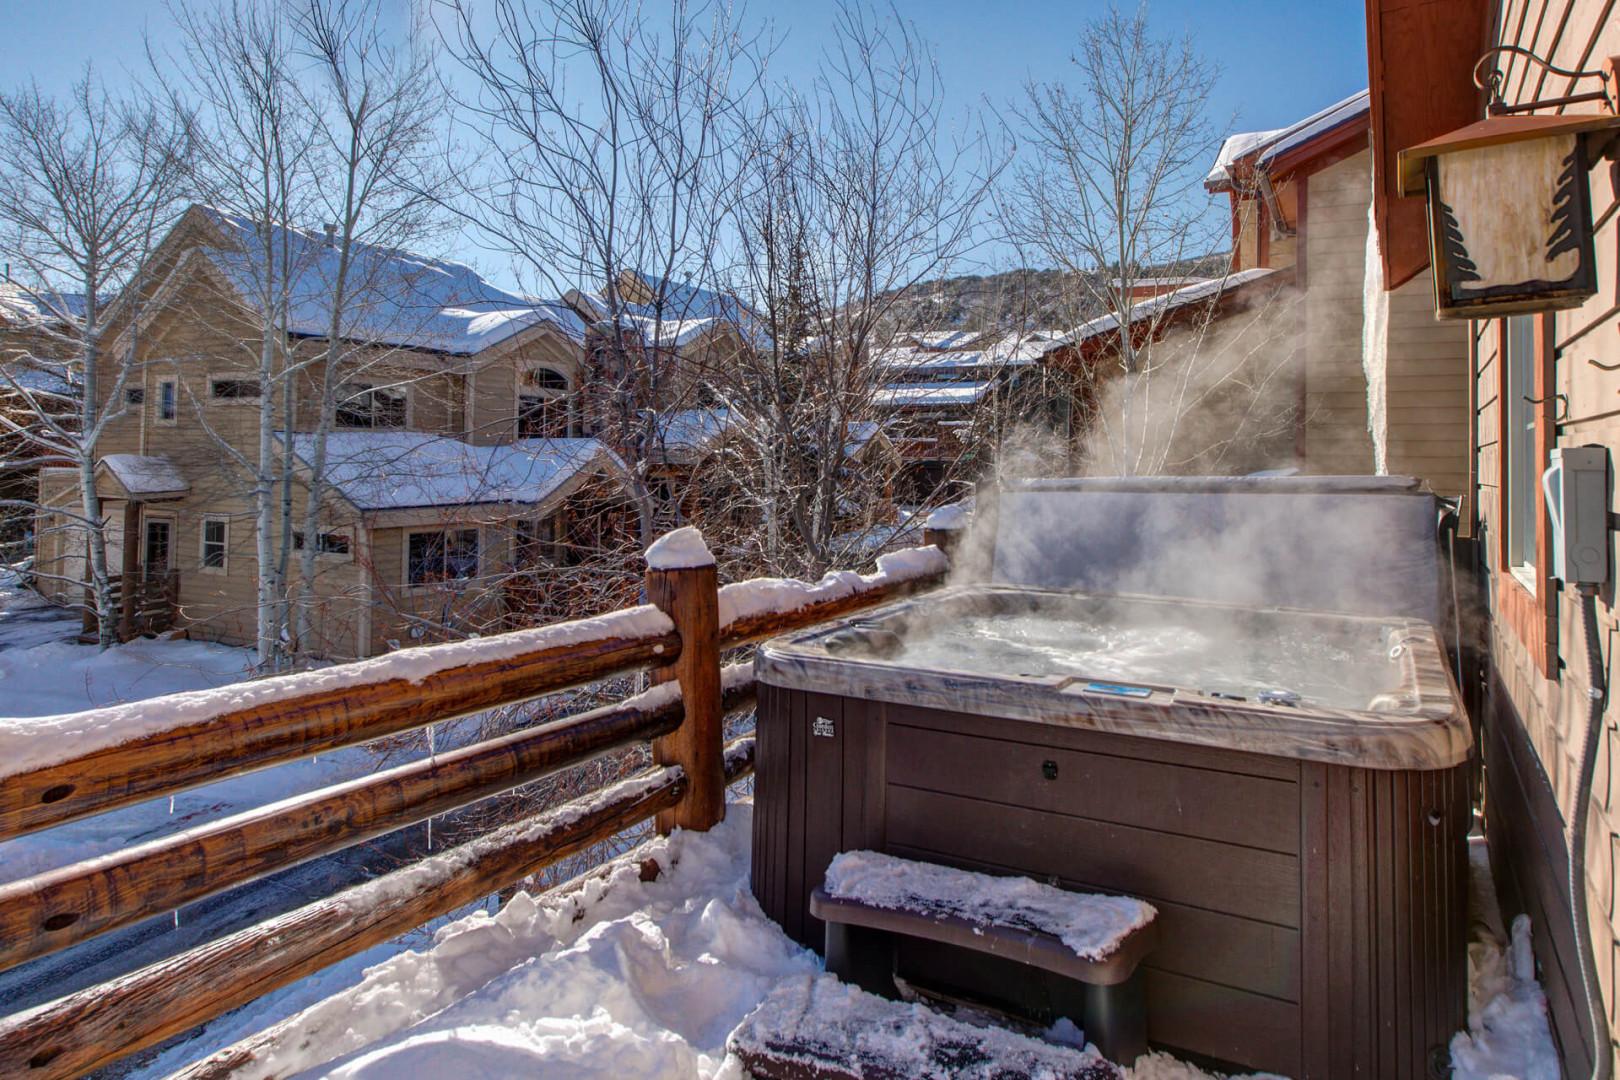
point(815, 1026)
point(1090, 924)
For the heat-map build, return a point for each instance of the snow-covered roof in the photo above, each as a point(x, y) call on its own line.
point(31, 307)
point(1165, 302)
point(399, 298)
point(1158, 282)
point(1340, 112)
point(1267, 146)
point(686, 434)
point(395, 470)
point(943, 339)
point(676, 315)
point(1236, 146)
point(144, 475)
point(904, 395)
point(40, 377)
point(1010, 350)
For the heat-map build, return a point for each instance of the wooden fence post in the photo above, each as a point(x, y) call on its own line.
point(690, 596)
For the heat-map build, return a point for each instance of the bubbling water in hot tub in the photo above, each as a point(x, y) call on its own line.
point(1243, 658)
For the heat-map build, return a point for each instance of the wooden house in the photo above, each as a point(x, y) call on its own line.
point(457, 456)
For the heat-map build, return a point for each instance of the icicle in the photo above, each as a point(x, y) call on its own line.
point(433, 751)
point(430, 834)
point(171, 806)
point(177, 918)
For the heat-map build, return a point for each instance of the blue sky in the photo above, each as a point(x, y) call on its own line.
point(1280, 59)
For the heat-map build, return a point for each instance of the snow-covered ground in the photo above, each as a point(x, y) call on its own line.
point(618, 977)
point(27, 620)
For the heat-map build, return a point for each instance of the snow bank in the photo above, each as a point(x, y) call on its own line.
point(681, 549)
point(1507, 1032)
point(618, 978)
point(1090, 924)
point(951, 516)
point(772, 596)
point(34, 742)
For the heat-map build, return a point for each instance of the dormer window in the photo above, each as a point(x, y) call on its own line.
point(362, 405)
point(544, 410)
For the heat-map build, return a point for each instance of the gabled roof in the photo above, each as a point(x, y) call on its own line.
point(686, 435)
point(1266, 149)
point(399, 298)
point(397, 470)
point(145, 476)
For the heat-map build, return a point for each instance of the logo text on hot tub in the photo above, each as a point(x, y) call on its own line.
point(823, 727)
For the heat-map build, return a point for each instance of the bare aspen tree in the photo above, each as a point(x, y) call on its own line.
point(377, 110)
point(87, 185)
point(609, 141)
point(1108, 190)
point(236, 72)
point(859, 192)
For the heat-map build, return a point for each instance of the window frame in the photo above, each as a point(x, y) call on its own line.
point(171, 399)
point(1526, 595)
point(529, 388)
point(224, 567)
point(347, 391)
point(444, 577)
point(215, 398)
point(322, 552)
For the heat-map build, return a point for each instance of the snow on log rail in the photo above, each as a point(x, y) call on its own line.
point(58, 769)
point(759, 609)
point(61, 768)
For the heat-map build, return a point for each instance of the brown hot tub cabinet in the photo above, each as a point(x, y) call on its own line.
point(1308, 860)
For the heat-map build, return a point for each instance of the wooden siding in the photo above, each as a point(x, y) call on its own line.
point(1536, 718)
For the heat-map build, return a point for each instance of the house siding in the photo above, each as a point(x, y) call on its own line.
point(1537, 691)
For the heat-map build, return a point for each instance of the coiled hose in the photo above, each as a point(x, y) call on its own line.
point(1602, 1056)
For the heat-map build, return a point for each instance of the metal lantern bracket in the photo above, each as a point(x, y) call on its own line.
point(1491, 82)
point(1561, 413)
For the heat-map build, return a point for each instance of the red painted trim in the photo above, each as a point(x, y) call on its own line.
point(1532, 617)
point(1329, 148)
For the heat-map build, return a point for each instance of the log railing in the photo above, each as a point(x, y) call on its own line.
point(124, 755)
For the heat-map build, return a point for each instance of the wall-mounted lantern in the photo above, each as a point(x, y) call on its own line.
point(1510, 216)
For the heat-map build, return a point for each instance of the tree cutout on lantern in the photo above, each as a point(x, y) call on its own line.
point(1459, 267)
point(1567, 203)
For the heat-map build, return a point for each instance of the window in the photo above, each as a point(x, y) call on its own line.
point(328, 544)
point(168, 403)
point(233, 389)
point(361, 405)
point(543, 406)
point(135, 395)
point(442, 556)
point(1520, 444)
point(157, 546)
point(215, 543)
point(533, 541)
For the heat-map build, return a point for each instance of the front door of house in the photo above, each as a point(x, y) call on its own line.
point(158, 546)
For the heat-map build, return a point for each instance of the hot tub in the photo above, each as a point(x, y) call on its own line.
point(1288, 787)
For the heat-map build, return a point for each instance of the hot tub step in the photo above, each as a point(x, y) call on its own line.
point(1096, 941)
point(817, 1028)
